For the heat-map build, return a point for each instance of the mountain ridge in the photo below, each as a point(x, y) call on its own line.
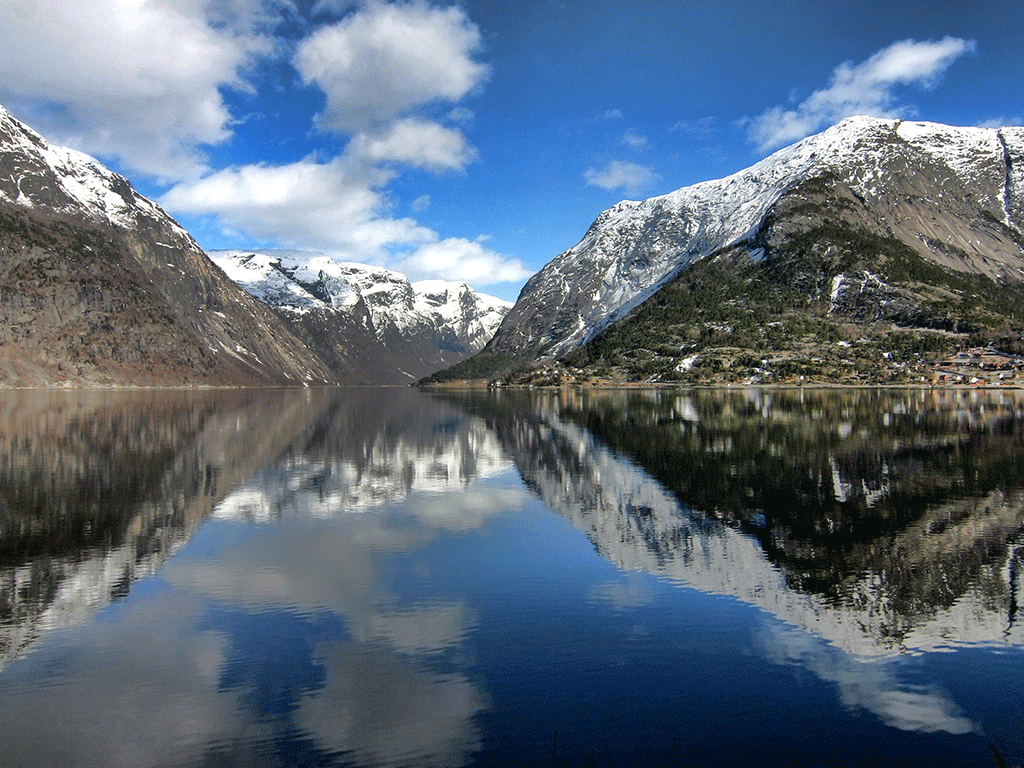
point(928, 196)
point(100, 287)
point(411, 328)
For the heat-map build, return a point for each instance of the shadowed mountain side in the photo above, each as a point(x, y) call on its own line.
point(83, 303)
point(346, 345)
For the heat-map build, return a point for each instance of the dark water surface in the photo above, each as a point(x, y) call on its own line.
point(383, 577)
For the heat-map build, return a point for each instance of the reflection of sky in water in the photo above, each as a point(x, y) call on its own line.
point(869, 686)
point(391, 612)
point(384, 689)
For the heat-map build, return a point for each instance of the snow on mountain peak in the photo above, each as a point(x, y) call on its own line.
point(302, 281)
point(84, 185)
point(634, 248)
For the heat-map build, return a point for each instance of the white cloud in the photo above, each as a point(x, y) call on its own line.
point(142, 81)
point(611, 114)
point(1001, 122)
point(385, 60)
point(456, 258)
point(700, 127)
point(634, 140)
point(415, 142)
point(377, 67)
point(332, 206)
point(865, 88)
point(136, 80)
point(619, 174)
point(336, 207)
point(461, 115)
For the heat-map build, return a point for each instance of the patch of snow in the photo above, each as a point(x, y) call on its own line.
point(687, 363)
point(837, 283)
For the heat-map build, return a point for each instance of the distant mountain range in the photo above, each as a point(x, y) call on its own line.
point(399, 329)
point(873, 245)
point(100, 287)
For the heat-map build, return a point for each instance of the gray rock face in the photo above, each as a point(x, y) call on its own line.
point(100, 287)
point(954, 195)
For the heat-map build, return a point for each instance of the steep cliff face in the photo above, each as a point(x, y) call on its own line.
point(953, 196)
point(400, 330)
point(100, 287)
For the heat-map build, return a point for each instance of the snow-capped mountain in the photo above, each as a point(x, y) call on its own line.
point(953, 195)
point(428, 325)
point(101, 287)
point(106, 289)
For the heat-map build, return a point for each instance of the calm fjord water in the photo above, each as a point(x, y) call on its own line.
point(385, 577)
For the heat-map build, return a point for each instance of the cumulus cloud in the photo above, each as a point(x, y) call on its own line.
point(378, 68)
point(619, 174)
point(333, 206)
point(137, 81)
point(337, 207)
point(457, 258)
point(418, 143)
point(378, 64)
point(866, 88)
point(143, 82)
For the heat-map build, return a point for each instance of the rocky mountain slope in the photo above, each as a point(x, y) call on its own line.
point(401, 330)
point(99, 287)
point(871, 226)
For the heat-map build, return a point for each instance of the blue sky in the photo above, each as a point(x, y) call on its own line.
point(475, 141)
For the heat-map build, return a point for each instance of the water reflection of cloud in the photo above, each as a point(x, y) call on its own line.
point(868, 684)
point(331, 564)
point(385, 710)
point(380, 702)
point(135, 692)
point(313, 491)
point(623, 595)
point(420, 629)
point(468, 510)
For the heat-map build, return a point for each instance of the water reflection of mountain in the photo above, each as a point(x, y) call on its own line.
point(98, 488)
point(379, 477)
point(368, 448)
point(880, 520)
